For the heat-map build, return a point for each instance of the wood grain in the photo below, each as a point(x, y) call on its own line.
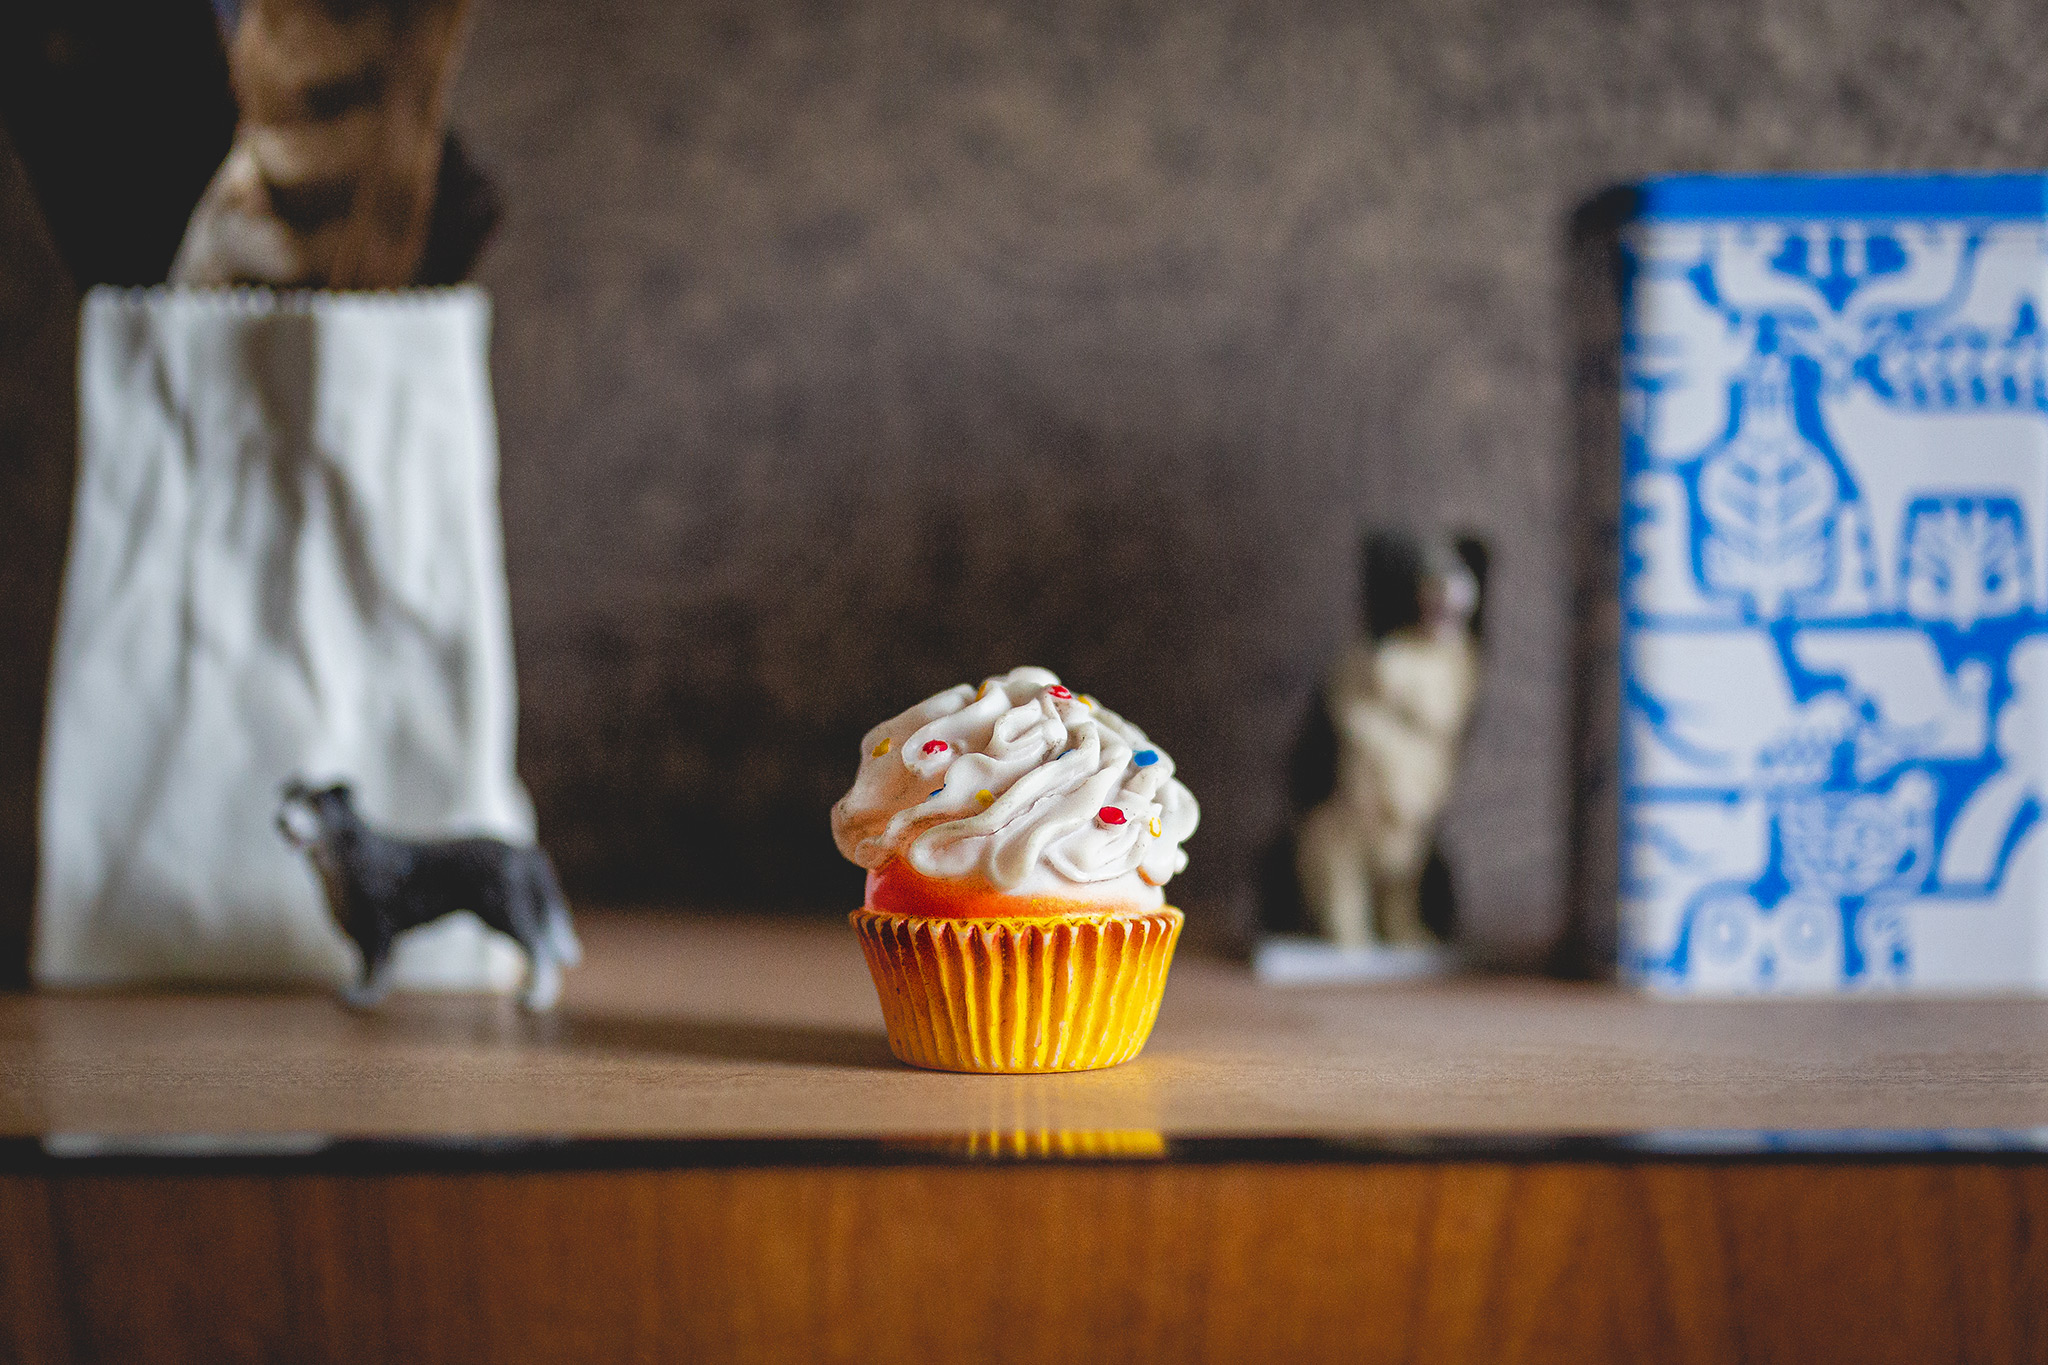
point(1402, 1262)
point(696, 1026)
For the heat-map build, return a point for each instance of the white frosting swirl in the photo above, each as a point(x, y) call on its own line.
point(1020, 783)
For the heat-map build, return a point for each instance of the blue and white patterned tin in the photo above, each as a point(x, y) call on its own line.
point(1834, 585)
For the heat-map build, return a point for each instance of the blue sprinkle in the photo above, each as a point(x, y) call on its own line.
point(1145, 758)
point(933, 792)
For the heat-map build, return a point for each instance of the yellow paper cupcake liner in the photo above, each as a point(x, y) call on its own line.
point(1009, 995)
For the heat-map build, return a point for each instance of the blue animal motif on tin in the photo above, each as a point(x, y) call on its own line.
point(1858, 843)
point(1965, 559)
point(1834, 590)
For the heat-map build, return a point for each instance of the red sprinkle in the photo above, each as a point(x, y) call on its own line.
point(1110, 815)
point(1061, 691)
point(936, 746)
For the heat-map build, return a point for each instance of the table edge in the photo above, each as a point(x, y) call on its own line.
point(322, 1154)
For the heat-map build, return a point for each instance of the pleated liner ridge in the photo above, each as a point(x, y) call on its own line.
point(1008, 995)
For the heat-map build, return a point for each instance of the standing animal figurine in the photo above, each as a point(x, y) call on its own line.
point(1399, 700)
point(378, 887)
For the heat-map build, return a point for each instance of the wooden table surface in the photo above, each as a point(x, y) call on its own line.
point(693, 1026)
point(1305, 1243)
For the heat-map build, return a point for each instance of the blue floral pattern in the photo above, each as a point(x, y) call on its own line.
point(1835, 589)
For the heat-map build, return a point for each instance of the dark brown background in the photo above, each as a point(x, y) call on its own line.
point(848, 351)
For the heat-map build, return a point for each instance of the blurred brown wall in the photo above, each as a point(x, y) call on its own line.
point(848, 351)
point(38, 433)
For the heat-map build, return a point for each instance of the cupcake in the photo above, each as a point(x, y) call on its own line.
point(1016, 838)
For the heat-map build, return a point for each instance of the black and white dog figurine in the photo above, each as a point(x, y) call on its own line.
point(378, 887)
point(1399, 702)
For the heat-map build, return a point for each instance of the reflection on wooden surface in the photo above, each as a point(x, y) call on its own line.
point(691, 1026)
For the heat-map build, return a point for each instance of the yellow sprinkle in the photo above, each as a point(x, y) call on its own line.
point(1087, 701)
point(985, 796)
point(984, 692)
point(881, 748)
point(1155, 827)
